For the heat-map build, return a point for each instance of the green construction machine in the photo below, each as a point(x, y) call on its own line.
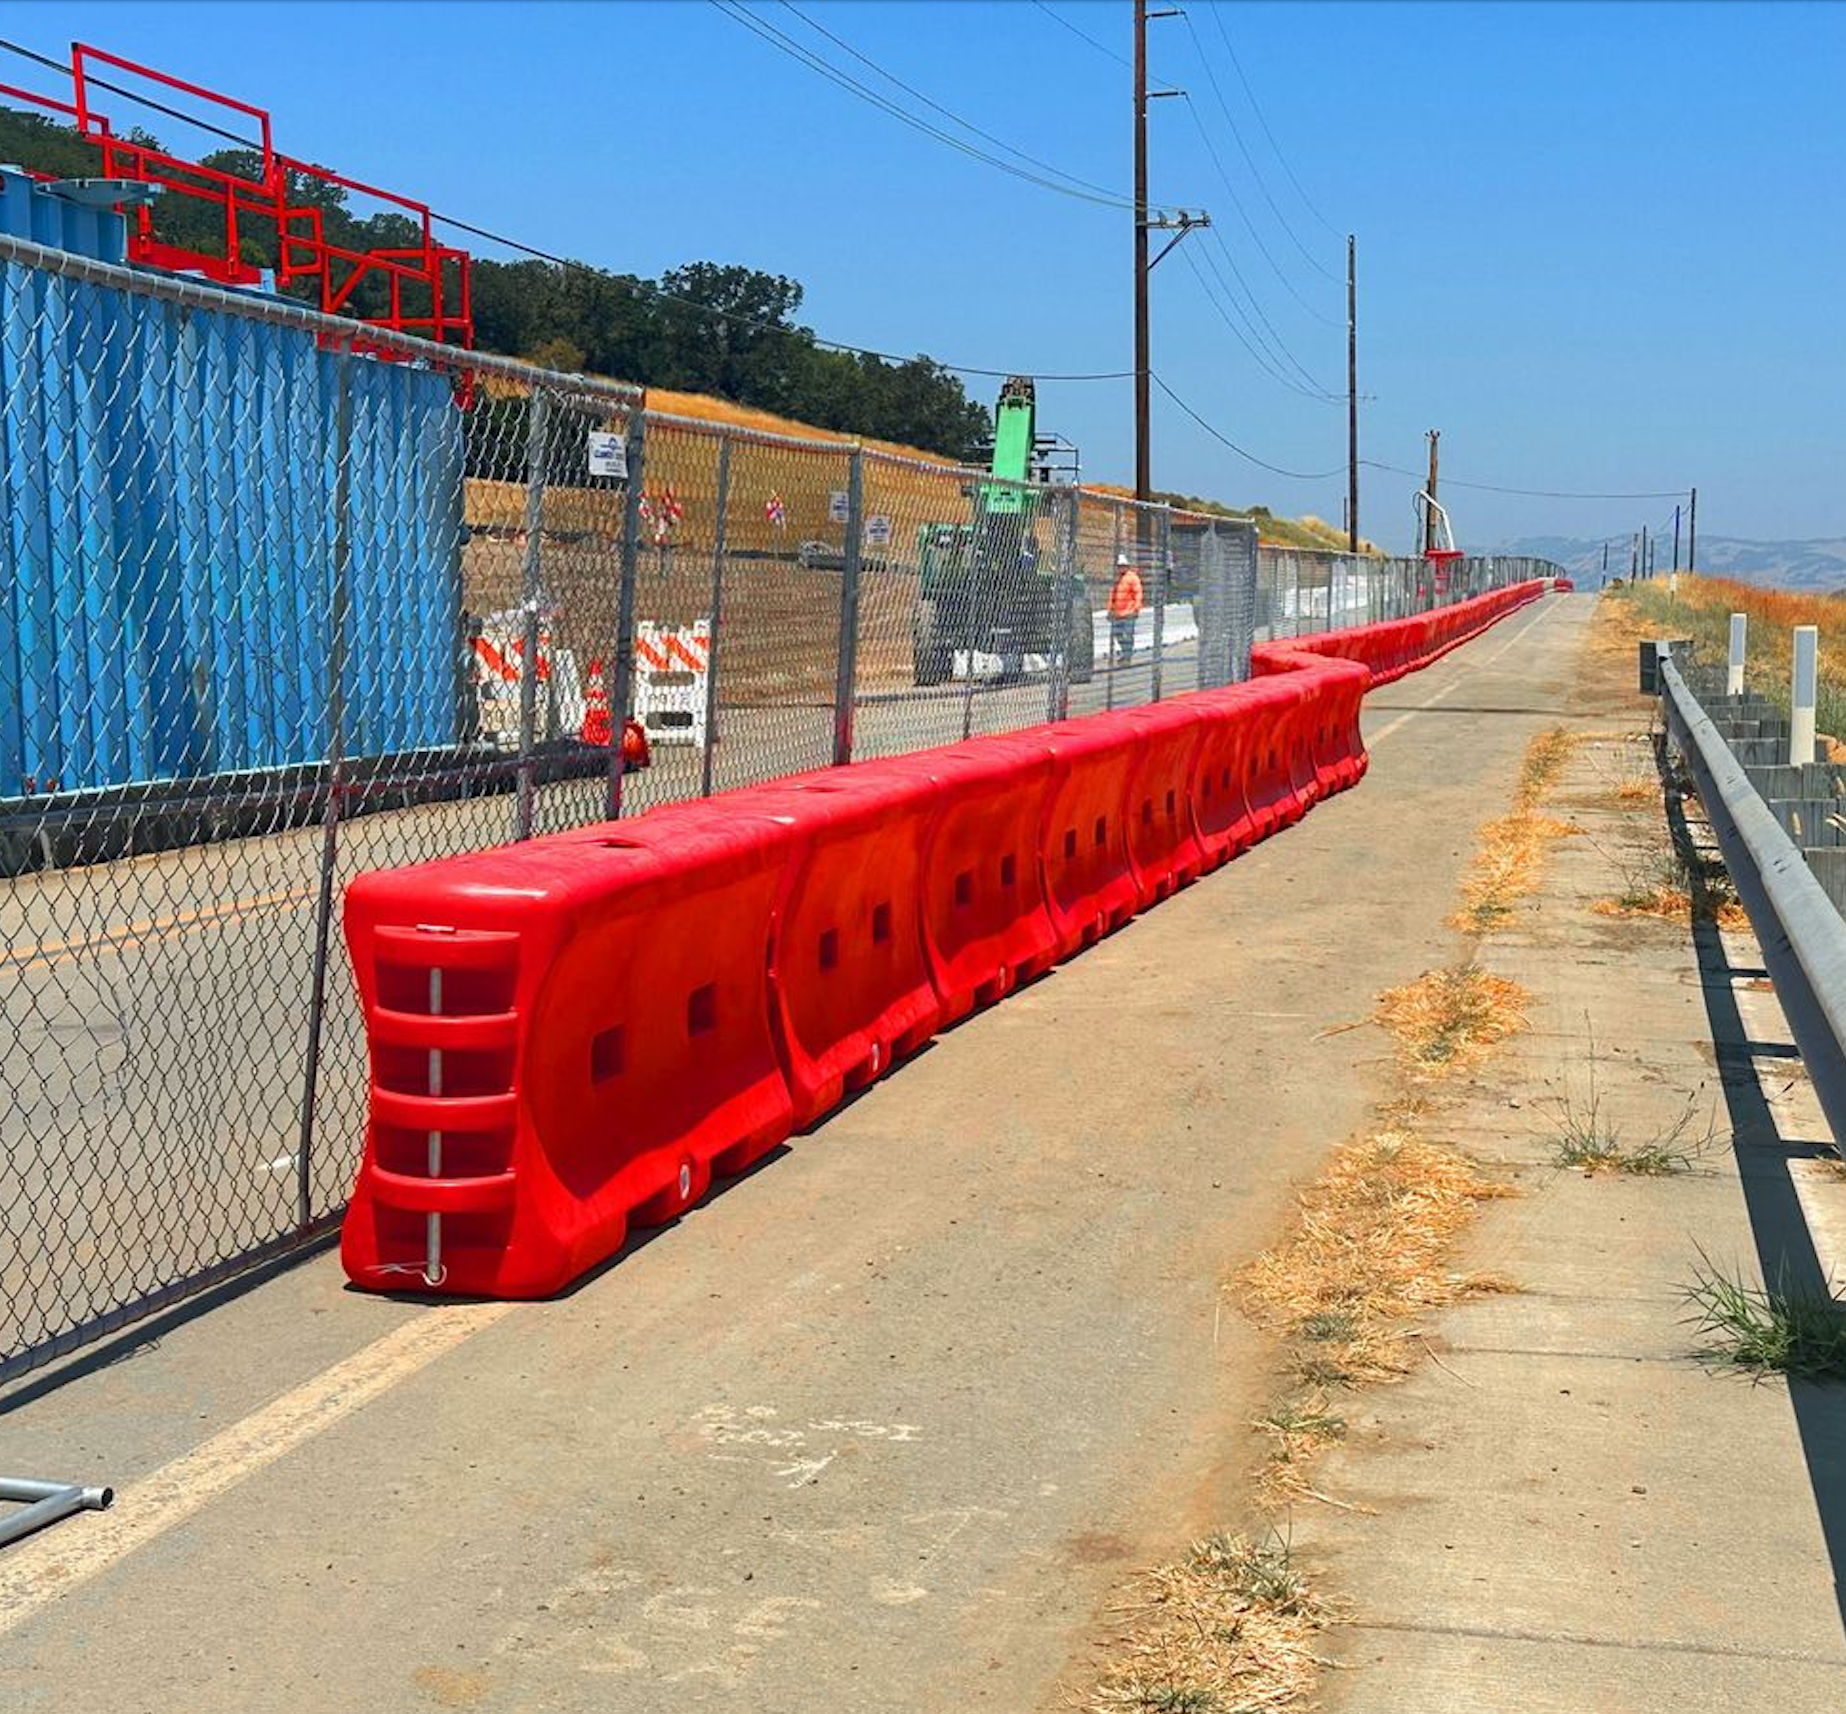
point(991, 586)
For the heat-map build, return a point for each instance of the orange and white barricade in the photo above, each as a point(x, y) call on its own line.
point(672, 665)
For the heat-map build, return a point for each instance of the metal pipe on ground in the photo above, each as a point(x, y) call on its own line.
point(47, 1503)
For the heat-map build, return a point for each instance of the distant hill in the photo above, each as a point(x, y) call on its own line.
point(1818, 566)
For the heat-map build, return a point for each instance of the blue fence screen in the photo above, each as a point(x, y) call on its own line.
point(171, 540)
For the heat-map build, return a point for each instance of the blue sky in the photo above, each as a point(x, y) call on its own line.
point(1596, 242)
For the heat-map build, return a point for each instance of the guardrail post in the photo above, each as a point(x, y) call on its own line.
point(619, 665)
point(717, 607)
point(847, 664)
point(537, 409)
point(1805, 689)
point(1740, 637)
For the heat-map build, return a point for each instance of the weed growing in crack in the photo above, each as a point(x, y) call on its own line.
point(1764, 1330)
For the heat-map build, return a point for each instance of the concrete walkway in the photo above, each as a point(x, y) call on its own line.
point(882, 1427)
point(1571, 1513)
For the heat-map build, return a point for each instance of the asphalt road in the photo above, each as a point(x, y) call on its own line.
point(881, 1427)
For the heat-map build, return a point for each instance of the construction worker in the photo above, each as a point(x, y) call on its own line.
point(1125, 600)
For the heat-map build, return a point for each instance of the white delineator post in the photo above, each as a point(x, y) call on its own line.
point(1740, 631)
point(1806, 690)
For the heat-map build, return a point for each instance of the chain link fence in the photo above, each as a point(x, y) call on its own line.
point(287, 599)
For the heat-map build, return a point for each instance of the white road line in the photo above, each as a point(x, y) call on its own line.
point(1511, 642)
point(70, 1554)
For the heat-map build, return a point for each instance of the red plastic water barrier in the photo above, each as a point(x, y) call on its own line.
point(986, 925)
point(1226, 820)
point(1394, 647)
point(1163, 839)
point(566, 1035)
point(572, 1035)
point(1090, 885)
point(849, 976)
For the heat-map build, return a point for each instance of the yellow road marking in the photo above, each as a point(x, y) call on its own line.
point(45, 1568)
point(155, 928)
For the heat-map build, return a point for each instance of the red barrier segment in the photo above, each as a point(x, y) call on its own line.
point(849, 978)
point(986, 925)
point(566, 1036)
point(1090, 885)
point(1163, 840)
point(1227, 822)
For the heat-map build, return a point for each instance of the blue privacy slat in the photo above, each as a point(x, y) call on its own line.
point(168, 482)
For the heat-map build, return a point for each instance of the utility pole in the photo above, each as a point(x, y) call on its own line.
point(1144, 460)
point(1352, 396)
point(1429, 511)
point(1692, 536)
point(1179, 225)
point(1676, 541)
point(1647, 570)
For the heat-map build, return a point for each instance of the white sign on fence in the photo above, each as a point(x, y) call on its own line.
point(608, 455)
point(839, 507)
point(878, 531)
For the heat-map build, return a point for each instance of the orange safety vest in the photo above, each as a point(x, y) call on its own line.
point(1125, 597)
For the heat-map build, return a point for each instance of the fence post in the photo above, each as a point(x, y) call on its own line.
point(1804, 691)
point(537, 410)
point(1115, 568)
point(339, 614)
point(717, 608)
point(847, 664)
point(1740, 637)
point(619, 667)
point(1064, 605)
point(1163, 555)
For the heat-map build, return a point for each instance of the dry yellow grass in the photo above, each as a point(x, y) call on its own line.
point(1447, 1020)
point(1510, 852)
point(1229, 1627)
point(1370, 1252)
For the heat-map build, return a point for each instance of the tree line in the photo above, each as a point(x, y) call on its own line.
point(707, 327)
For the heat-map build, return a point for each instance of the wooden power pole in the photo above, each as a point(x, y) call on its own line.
point(1178, 224)
point(1692, 535)
point(1144, 461)
point(1352, 398)
point(1429, 511)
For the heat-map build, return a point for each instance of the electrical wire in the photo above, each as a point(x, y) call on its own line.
point(1527, 493)
point(846, 47)
point(1224, 439)
point(1275, 340)
point(1256, 107)
point(1211, 76)
point(1084, 35)
point(786, 44)
point(1263, 359)
point(1224, 178)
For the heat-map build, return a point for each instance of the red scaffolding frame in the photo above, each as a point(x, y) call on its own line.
point(427, 282)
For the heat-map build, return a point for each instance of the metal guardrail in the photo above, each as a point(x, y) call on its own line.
point(1802, 935)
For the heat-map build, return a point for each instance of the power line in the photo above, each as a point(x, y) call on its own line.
point(786, 44)
point(1528, 493)
point(1224, 439)
point(537, 254)
point(1198, 47)
point(1081, 34)
point(1243, 214)
point(1217, 17)
point(947, 113)
point(1263, 359)
point(1280, 345)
